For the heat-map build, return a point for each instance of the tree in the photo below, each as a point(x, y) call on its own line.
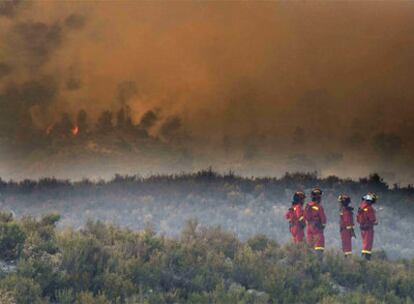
point(104, 123)
point(148, 120)
point(82, 121)
point(64, 126)
point(123, 119)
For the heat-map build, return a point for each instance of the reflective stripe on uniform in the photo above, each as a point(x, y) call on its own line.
point(348, 252)
point(319, 248)
point(315, 208)
point(301, 218)
point(349, 227)
point(366, 251)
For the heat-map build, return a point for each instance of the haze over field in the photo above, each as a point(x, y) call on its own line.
point(244, 206)
point(95, 88)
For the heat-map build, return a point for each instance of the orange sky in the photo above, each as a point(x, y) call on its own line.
point(249, 71)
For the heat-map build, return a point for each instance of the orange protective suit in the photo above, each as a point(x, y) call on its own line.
point(296, 222)
point(367, 220)
point(346, 224)
point(316, 221)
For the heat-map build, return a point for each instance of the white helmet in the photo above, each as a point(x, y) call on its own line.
point(371, 197)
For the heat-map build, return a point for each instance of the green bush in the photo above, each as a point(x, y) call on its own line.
point(103, 264)
point(11, 240)
point(12, 237)
point(25, 290)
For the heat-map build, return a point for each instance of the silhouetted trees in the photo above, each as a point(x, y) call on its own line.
point(104, 123)
point(124, 120)
point(64, 126)
point(148, 120)
point(82, 121)
point(170, 127)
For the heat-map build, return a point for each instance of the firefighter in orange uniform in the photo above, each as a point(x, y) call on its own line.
point(367, 220)
point(316, 221)
point(296, 218)
point(346, 223)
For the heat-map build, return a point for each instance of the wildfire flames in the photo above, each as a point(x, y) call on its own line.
point(75, 130)
point(52, 129)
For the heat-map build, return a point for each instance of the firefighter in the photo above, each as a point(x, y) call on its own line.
point(316, 221)
point(346, 223)
point(367, 220)
point(296, 218)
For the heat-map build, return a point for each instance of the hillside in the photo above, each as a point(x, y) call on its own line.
point(245, 206)
point(105, 264)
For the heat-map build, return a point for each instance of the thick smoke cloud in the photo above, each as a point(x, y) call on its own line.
point(9, 8)
point(36, 40)
point(259, 88)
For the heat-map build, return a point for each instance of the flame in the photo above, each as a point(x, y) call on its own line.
point(74, 130)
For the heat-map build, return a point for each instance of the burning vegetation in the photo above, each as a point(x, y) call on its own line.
point(107, 123)
point(74, 130)
point(156, 82)
point(52, 130)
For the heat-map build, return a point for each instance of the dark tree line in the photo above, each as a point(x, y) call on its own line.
point(208, 180)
